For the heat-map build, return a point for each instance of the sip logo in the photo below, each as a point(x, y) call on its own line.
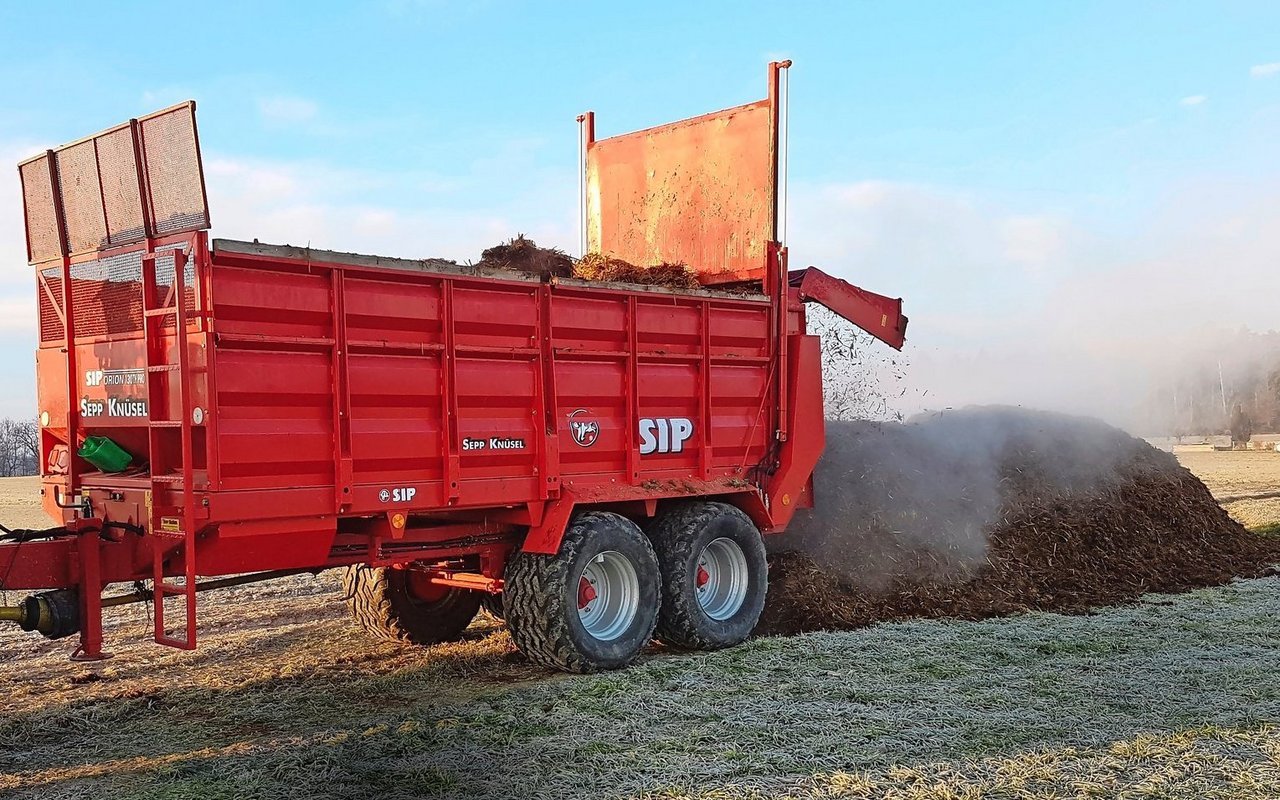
point(584, 428)
point(400, 494)
point(664, 434)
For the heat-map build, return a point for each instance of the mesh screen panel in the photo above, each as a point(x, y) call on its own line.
point(98, 187)
point(81, 197)
point(173, 171)
point(164, 283)
point(42, 224)
point(50, 323)
point(106, 295)
point(119, 177)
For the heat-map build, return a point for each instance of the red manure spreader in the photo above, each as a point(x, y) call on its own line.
point(593, 462)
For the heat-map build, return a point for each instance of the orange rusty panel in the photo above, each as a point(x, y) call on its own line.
point(699, 192)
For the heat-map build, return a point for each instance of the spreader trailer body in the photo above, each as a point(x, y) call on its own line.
point(590, 461)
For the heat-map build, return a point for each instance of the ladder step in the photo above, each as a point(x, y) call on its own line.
point(166, 479)
point(164, 368)
point(160, 312)
point(166, 423)
point(177, 644)
point(170, 590)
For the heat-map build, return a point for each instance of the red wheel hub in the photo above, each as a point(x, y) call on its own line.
point(423, 590)
point(586, 593)
point(702, 577)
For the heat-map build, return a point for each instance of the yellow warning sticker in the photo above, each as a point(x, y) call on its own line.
point(170, 524)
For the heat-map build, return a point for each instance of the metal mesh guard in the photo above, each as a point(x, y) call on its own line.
point(174, 177)
point(105, 198)
point(37, 201)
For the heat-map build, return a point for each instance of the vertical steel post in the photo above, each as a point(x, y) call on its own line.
point(776, 266)
point(89, 548)
point(586, 137)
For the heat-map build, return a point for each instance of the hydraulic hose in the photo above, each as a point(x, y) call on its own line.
point(29, 535)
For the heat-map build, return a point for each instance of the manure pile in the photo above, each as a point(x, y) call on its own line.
point(525, 255)
point(991, 511)
point(597, 267)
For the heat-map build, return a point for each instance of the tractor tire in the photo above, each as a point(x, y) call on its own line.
point(492, 604)
point(593, 605)
point(714, 575)
point(386, 604)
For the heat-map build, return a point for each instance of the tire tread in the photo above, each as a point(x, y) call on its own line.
point(674, 533)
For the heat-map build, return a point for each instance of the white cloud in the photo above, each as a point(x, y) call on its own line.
point(17, 293)
point(1265, 70)
point(17, 282)
point(287, 110)
point(1014, 304)
point(18, 311)
point(1193, 100)
point(1034, 241)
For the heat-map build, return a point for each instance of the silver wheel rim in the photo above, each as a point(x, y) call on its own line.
point(720, 579)
point(608, 595)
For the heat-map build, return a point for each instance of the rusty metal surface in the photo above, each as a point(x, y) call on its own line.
point(81, 192)
point(175, 181)
point(43, 241)
point(700, 191)
point(121, 192)
point(136, 180)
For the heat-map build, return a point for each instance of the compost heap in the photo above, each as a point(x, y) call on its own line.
point(990, 511)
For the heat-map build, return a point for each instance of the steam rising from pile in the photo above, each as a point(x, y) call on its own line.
point(990, 511)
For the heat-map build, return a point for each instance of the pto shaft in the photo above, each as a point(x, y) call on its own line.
point(56, 614)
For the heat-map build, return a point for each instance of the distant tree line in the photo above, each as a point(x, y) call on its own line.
point(1232, 388)
point(19, 447)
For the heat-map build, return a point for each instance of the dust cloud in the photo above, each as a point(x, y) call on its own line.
point(919, 498)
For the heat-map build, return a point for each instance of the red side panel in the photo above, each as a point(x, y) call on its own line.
point(274, 404)
point(791, 483)
point(401, 390)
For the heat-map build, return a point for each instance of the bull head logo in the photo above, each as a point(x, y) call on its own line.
point(584, 429)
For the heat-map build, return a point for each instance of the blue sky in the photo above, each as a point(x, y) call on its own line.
point(1032, 177)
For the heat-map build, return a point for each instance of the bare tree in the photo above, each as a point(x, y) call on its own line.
point(28, 436)
point(19, 447)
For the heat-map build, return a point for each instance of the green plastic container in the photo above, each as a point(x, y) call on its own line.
point(105, 454)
